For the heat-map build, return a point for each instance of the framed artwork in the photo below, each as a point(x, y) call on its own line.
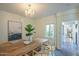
point(14, 30)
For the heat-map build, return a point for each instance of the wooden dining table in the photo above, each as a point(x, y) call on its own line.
point(17, 49)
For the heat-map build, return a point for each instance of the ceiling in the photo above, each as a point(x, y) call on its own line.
point(41, 9)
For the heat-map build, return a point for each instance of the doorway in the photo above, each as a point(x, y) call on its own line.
point(69, 35)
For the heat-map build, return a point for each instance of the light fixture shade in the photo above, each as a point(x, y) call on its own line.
point(29, 11)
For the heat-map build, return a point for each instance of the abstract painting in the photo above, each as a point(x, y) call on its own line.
point(14, 30)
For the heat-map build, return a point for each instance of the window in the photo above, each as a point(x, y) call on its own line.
point(49, 31)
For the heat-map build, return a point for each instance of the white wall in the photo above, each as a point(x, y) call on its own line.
point(40, 26)
point(5, 17)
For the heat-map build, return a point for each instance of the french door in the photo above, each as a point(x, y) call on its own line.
point(69, 41)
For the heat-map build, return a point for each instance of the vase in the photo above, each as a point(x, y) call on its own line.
point(29, 38)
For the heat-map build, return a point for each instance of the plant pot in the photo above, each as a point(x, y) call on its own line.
point(29, 38)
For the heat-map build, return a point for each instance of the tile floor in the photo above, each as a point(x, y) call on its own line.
point(58, 52)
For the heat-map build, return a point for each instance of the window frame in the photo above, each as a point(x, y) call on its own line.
point(49, 34)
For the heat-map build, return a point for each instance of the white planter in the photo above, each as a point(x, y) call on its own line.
point(29, 38)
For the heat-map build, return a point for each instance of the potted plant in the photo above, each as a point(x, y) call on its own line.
point(29, 31)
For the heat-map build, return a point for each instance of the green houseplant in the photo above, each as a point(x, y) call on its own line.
point(29, 31)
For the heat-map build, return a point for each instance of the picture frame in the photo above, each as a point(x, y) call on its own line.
point(14, 30)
